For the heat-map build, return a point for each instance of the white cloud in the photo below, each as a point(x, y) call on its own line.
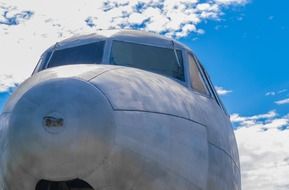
point(273, 93)
point(7, 82)
point(203, 6)
point(221, 91)
point(27, 28)
point(262, 122)
point(228, 2)
point(284, 101)
point(282, 91)
point(136, 18)
point(236, 118)
point(263, 147)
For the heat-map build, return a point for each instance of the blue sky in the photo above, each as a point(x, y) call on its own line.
point(3, 98)
point(247, 52)
point(242, 43)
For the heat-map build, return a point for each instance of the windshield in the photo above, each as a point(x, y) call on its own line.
point(164, 61)
point(84, 54)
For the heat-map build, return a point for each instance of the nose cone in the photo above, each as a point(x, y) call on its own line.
point(61, 128)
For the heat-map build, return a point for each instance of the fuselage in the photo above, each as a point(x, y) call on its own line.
point(130, 111)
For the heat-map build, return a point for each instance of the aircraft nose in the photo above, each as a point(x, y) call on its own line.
point(61, 128)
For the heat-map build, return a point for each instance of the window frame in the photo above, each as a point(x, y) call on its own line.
point(43, 66)
point(57, 48)
point(207, 82)
point(182, 50)
point(215, 95)
point(209, 95)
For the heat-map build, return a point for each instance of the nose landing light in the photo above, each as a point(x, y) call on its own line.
point(53, 122)
point(50, 121)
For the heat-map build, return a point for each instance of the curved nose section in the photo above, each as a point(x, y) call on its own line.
point(61, 128)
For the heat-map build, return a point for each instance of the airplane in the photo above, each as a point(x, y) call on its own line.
point(129, 111)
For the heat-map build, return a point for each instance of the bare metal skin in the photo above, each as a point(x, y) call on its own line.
point(115, 128)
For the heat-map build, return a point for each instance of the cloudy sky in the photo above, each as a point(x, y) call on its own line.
point(243, 44)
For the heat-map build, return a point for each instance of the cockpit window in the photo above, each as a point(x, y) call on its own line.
point(84, 54)
point(164, 61)
point(196, 78)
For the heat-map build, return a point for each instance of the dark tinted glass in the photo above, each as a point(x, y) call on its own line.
point(151, 58)
point(84, 54)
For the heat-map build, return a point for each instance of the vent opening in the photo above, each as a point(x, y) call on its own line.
point(76, 184)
